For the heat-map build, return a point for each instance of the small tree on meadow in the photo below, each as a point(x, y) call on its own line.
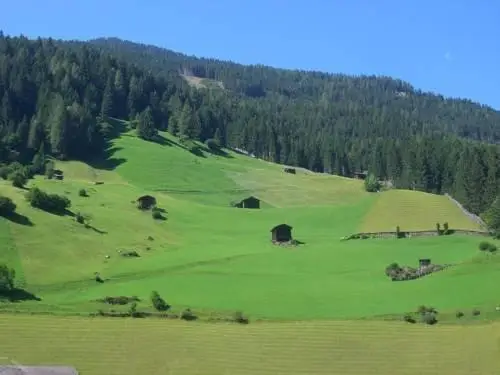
point(18, 179)
point(438, 228)
point(7, 278)
point(371, 183)
point(159, 303)
point(7, 207)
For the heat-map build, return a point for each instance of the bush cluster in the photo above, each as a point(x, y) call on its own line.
point(402, 273)
point(7, 206)
point(159, 303)
point(118, 300)
point(487, 246)
point(48, 202)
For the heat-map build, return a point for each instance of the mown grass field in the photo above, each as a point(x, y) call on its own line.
point(217, 259)
point(151, 346)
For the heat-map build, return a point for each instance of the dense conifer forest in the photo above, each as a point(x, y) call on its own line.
point(57, 96)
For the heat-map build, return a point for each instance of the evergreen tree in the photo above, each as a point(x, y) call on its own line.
point(145, 127)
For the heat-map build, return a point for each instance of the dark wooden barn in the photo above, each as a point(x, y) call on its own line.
point(290, 170)
point(58, 174)
point(360, 175)
point(250, 202)
point(424, 262)
point(146, 202)
point(281, 233)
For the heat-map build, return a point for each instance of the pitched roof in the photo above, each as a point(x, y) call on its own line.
point(37, 370)
point(281, 226)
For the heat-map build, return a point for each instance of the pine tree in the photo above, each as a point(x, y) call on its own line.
point(107, 100)
point(492, 215)
point(58, 129)
point(146, 127)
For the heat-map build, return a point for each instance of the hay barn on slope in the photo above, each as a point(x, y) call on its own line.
point(146, 202)
point(250, 202)
point(281, 233)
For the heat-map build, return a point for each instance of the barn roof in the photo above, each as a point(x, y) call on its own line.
point(146, 197)
point(281, 226)
point(37, 370)
point(249, 198)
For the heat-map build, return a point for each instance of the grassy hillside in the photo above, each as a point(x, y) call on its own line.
point(217, 259)
point(98, 346)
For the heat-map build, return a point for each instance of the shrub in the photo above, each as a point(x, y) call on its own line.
point(188, 315)
point(98, 278)
point(7, 278)
point(80, 219)
point(4, 171)
point(487, 246)
point(48, 202)
point(119, 300)
point(429, 318)
point(156, 214)
point(446, 228)
point(130, 253)
point(159, 303)
point(410, 319)
point(18, 179)
point(238, 317)
point(476, 312)
point(459, 314)
point(133, 310)
point(438, 229)
point(82, 193)
point(7, 207)
point(212, 144)
point(371, 183)
point(49, 169)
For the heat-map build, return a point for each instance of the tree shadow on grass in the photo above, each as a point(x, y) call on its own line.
point(19, 219)
point(217, 152)
point(18, 295)
point(106, 161)
point(88, 226)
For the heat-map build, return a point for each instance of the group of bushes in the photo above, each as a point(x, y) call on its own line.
point(48, 202)
point(160, 305)
point(7, 206)
point(398, 273)
point(17, 173)
point(487, 247)
point(428, 315)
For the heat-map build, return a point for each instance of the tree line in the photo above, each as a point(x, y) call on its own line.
point(59, 98)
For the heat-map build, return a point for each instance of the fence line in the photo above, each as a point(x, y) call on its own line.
point(469, 214)
point(421, 233)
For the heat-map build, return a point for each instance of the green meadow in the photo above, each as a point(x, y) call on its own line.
point(217, 259)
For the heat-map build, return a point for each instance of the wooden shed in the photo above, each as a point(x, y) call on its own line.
point(146, 202)
point(281, 233)
point(58, 174)
point(290, 170)
point(424, 262)
point(37, 370)
point(360, 175)
point(250, 202)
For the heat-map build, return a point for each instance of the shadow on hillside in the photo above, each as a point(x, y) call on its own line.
point(218, 152)
point(19, 219)
point(18, 295)
point(60, 213)
point(298, 242)
point(106, 160)
point(88, 226)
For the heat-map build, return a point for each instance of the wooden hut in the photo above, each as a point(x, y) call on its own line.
point(250, 202)
point(290, 170)
point(281, 233)
point(58, 174)
point(146, 202)
point(360, 175)
point(424, 262)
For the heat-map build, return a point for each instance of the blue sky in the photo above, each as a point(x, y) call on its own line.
point(448, 46)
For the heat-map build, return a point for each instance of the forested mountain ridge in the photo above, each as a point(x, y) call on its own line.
point(56, 97)
point(381, 96)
